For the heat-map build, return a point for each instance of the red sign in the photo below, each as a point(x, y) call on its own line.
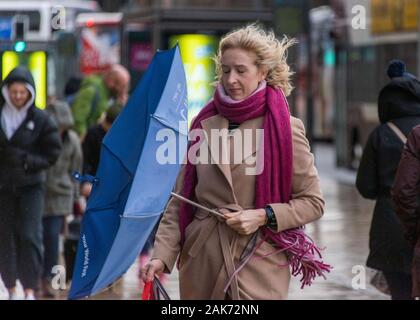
point(99, 51)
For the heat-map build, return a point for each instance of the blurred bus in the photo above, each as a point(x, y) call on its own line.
point(367, 35)
point(40, 16)
point(40, 35)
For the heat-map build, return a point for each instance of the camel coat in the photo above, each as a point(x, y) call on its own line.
point(212, 250)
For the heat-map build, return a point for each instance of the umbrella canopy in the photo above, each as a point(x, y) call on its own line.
point(132, 184)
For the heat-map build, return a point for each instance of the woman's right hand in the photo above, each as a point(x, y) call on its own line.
point(148, 271)
point(86, 189)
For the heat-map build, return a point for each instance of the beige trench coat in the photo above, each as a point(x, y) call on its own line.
point(212, 249)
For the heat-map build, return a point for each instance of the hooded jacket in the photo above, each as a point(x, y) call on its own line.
point(400, 98)
point(61, 188)
point(398, 102)
point(33, 146)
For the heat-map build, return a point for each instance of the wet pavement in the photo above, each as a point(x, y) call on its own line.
point(343, 231)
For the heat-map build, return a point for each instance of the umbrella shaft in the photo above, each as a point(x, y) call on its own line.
point(197, 205)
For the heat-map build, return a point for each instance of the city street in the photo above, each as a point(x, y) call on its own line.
point(343, 231)
point(96, 98)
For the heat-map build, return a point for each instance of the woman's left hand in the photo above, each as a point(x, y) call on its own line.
point(245, 222)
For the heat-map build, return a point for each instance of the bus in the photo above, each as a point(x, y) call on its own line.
point(40, 35)
point(42, 19)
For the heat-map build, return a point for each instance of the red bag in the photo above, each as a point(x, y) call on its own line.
point(154, 290)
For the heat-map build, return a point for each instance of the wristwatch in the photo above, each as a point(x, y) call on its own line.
point(271, 218)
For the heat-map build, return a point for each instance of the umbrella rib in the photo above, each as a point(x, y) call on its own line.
point(153, 214)
point(161, 120)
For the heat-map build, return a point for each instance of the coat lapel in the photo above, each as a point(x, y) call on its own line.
point(222, 151)
point(218, 149)
point(251, 141)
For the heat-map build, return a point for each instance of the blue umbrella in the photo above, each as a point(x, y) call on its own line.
point(133, 182)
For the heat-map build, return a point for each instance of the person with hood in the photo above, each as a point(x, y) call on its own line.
point(399, 112)
point(62, 190)
point(405, 193)
point(29, 144)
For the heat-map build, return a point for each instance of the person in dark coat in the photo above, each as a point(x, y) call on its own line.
point(398, 103)
point(61, 192)
point(406, 193)
point(29, 144)
point(92, 143)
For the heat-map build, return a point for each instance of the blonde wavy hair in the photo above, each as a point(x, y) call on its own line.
point(271, 53)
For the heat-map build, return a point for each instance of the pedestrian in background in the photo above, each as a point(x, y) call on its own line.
point(406, 193)
point(62, 191)
point(399, 112)
point(29, 144)
point(71, 88)
point(253, 82)
point(92, 144)
point(96, 94)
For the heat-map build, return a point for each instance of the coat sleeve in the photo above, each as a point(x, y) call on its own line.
point(307, 203)
point(89, 148)
point(50, 148)
point(366, 181)
point(76, 162)
point(405, 191)
point(168, 237)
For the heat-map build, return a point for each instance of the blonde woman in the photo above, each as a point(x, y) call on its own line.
point(270, 187)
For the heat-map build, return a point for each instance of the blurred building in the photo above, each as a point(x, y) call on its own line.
point(112, 5)
point(344, 49)
point(196, 26)
point(41, 35)
point(367, 35)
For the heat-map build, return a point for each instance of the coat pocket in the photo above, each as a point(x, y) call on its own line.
point(199, 236)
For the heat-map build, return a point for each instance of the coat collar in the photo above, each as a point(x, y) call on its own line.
point(23, 125)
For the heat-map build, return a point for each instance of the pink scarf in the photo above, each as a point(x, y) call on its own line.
point(273, 185)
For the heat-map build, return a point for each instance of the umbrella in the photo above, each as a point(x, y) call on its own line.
point(132, 184)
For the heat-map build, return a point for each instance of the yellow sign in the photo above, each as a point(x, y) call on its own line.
point(394, 15)
point(36, 63)
point(410, 14)
point(197, 51)
point(38, 66)
point(10, 60)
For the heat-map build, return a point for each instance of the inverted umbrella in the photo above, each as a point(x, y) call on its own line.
point(132, 185)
